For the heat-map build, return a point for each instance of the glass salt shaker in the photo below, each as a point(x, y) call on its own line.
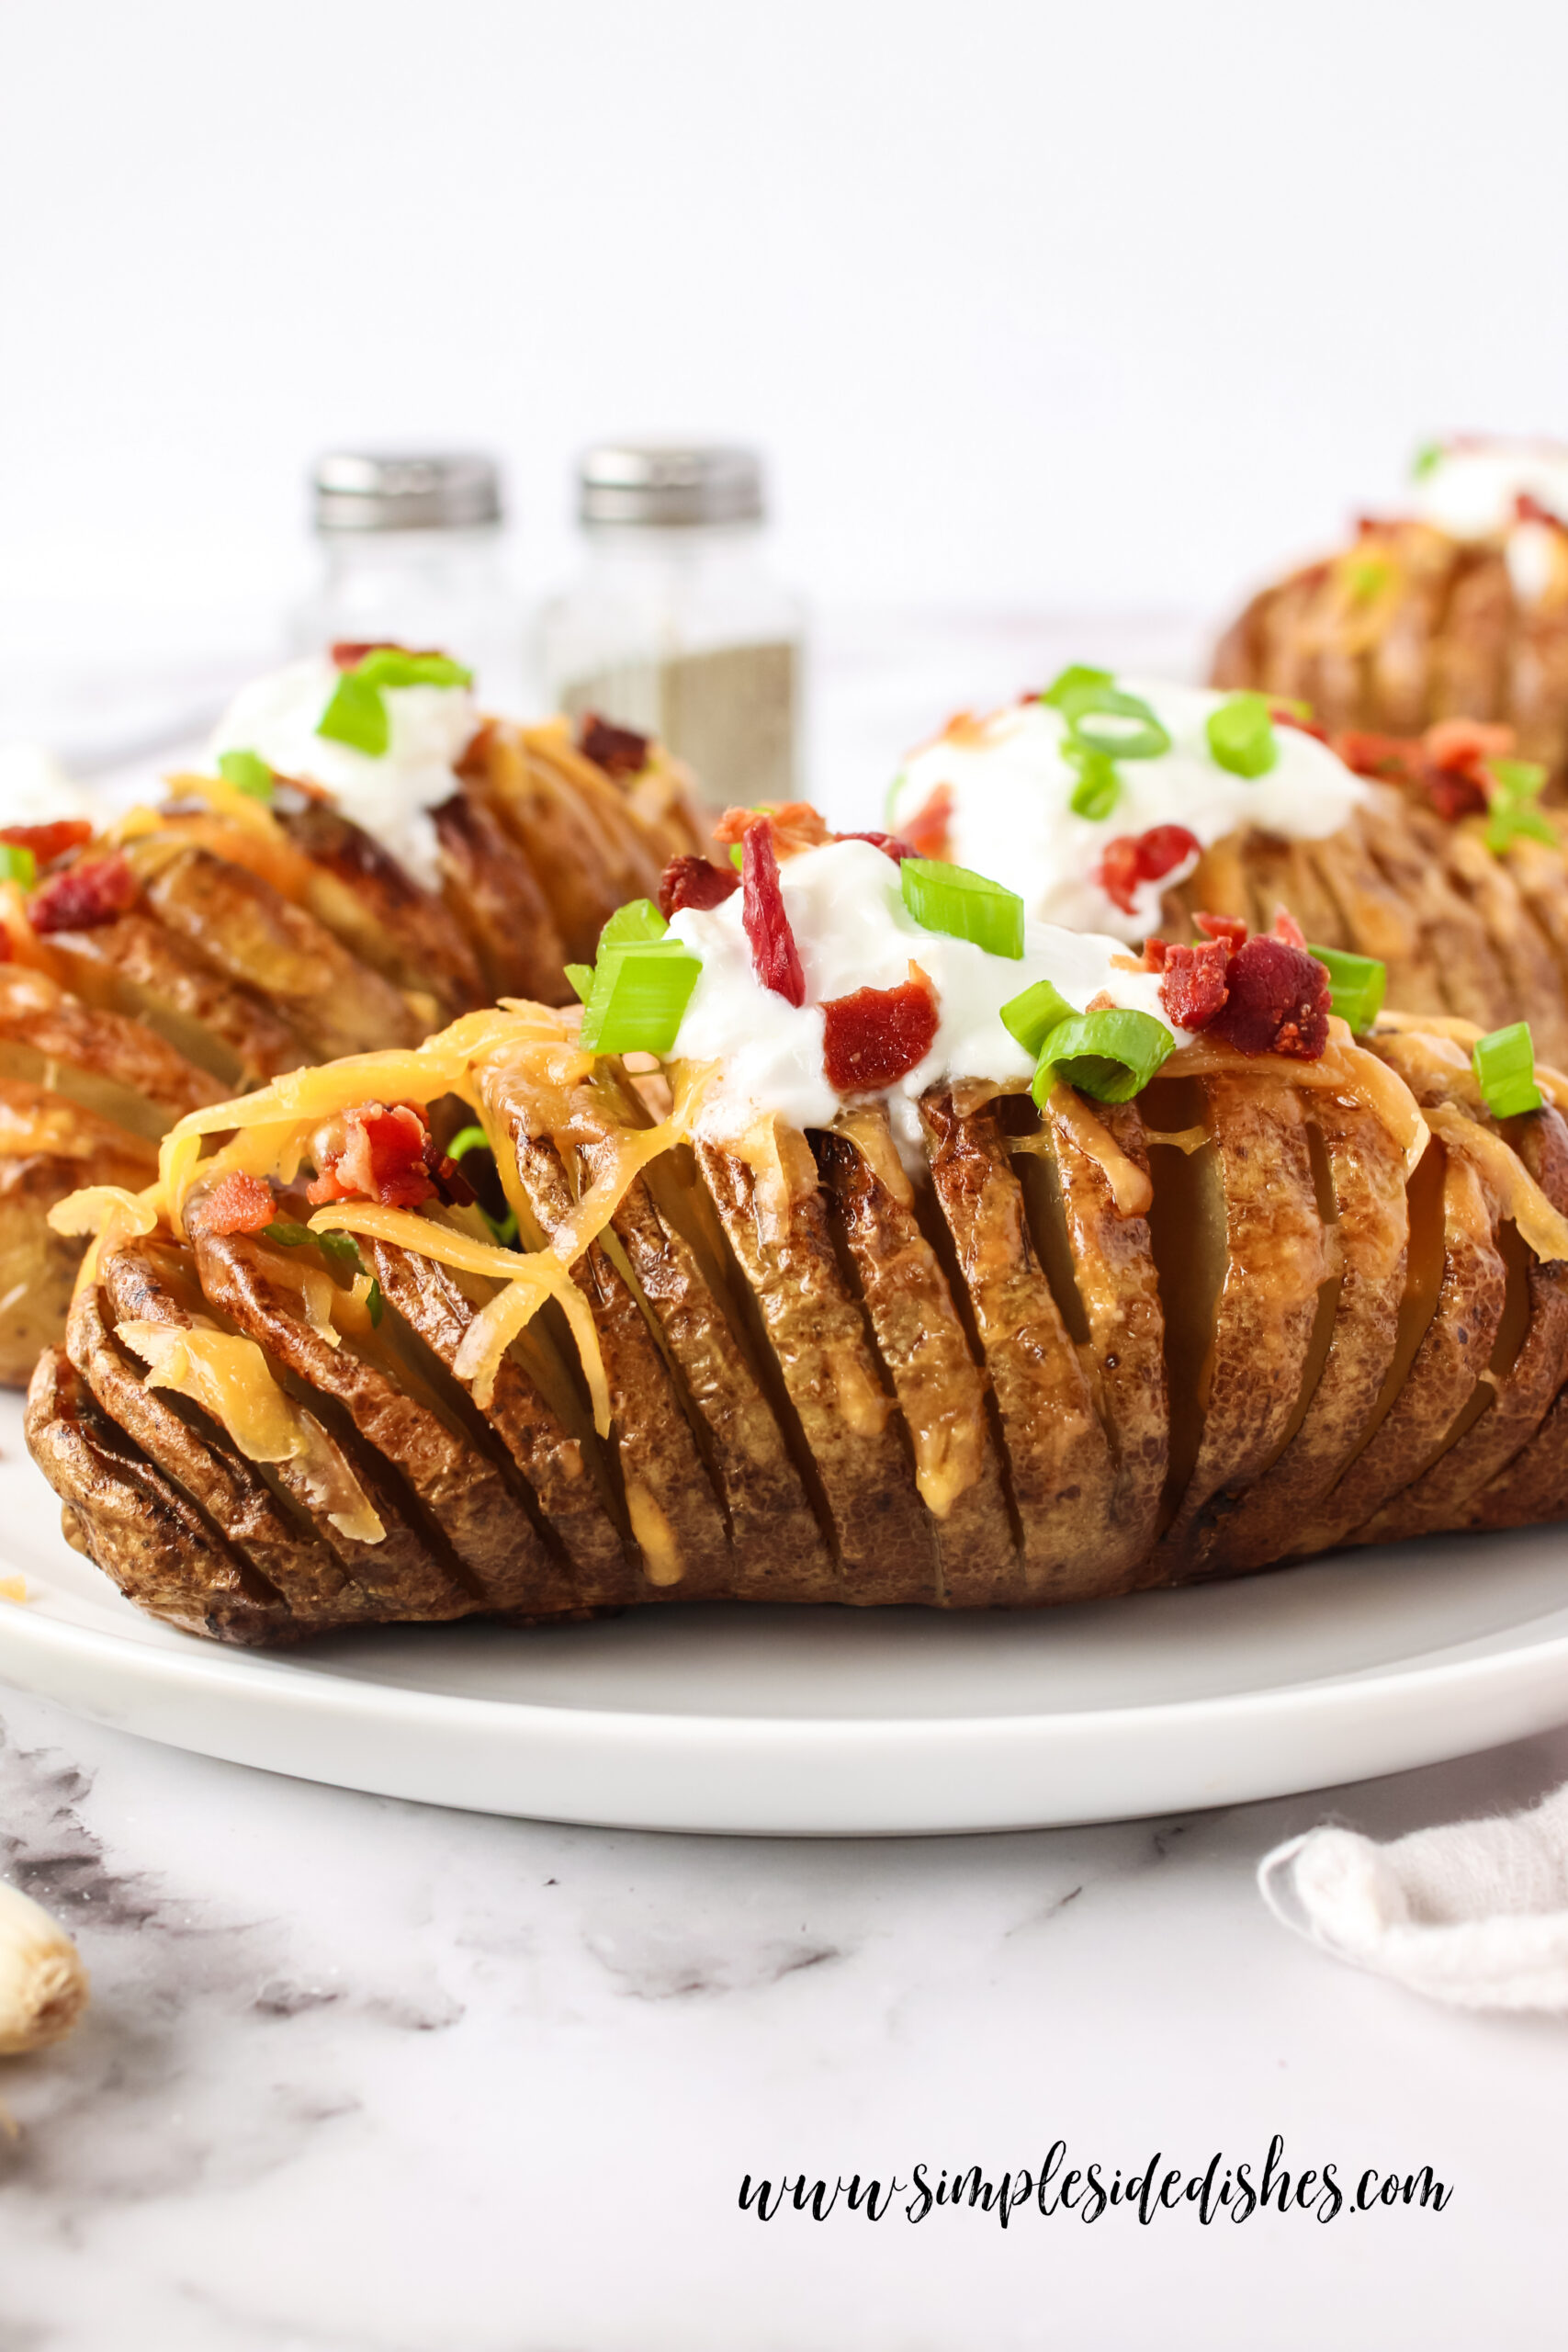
point(676, 625)
point(412, 549)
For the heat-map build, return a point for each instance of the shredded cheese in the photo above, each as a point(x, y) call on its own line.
point(1130, 1186)
point(1541, 1227)
point(228, 1377)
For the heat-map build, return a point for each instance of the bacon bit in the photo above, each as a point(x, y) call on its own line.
point(1391, 758)
point(381, 1157)
point(928, 830)
point(878, 1035)
point(348, 652)
point(7, 952)
point(1193, 989)
point(1154, 952)
point(694, 882)
point(83, 895)
point(1228, 928)
point(237, 1204)
point(1132, 858)
point(448, 1178)
point(888, 843)
point(1278, 1002)
point(48, 841)
point(794, 826)
point(1282, 715)
point(1530, 510)
point(1287, 928)
point(619, 750)
point(775, 955)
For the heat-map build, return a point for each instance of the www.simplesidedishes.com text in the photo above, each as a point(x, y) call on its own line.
point(1223, 2190)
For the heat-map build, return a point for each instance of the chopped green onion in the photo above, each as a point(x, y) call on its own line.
point(18, 864)
point(1108, 1054)
point(1241, 736)
point(737, 853)
point(1512, 811)
point(582, 979)
point(641, 919)
point(1031, 1016)
point(639, 995)
point(966, 906)
point(1505, 1068)
point(341, 1246)
point(357, 715)
point(1099, 787)
point(1355, 984)
point(389, 665)
point(1084, 697)
point(502, 1230)
point(1426, 461)
point(248, 773)
point(1071, 685)
point(375, 1303)
point(1367, 576)
point(467, 1140)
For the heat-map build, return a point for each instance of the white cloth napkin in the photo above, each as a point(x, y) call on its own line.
point(1476, 1913)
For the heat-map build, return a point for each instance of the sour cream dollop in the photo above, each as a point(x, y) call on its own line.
point(1471, 489)
point(36, 790)
point(392, 796)
point(853, 930)
point(1012, 814)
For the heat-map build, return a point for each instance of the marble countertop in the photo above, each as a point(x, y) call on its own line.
point(365, 2077)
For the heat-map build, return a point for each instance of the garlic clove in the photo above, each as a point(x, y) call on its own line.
point(43, 1985)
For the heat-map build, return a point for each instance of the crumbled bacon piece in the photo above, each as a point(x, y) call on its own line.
point(1193, 988)
point(619, 750)
point(7, 951)
point(1154, 952)
point(878, 1035)
point(1530, 510)
point(83, 895)
point(376, 1152)
point(694, 882)
point(928, 831)
point(1228, 928)
point(1391, 758)
point(348, 652)
point(1132, 858)
point(888, 843)
point(1278, 1001)
point(774, 956)
point(1282, 715)
point(48, 841)
point(1287, 928)
point(237, 1204)
point(794, 826)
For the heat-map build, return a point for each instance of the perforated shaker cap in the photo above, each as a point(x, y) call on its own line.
point(670, 484)
point(365, 490)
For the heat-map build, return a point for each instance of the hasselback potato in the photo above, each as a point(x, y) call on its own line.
point(871, 1246)
point(254, 923)
point(1456, 608)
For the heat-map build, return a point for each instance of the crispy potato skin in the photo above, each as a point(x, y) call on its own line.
point(1095, 1350)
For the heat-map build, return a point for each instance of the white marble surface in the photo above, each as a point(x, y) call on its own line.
point(361, 2076)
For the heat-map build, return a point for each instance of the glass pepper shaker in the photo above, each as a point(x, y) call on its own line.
point(676, 625)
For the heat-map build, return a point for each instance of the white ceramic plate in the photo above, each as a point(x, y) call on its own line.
point(822, 1721)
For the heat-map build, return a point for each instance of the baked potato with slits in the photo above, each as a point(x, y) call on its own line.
point(1265, 1307)
point(202, 949)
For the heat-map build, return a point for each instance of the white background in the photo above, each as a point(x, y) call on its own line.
point(1034, 307)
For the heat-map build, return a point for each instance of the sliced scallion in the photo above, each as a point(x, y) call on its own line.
point(1355, 984)
point(467, 1140)
point(640, 992)
point(339, 1247)
point(1513, 811)
point(248, 773)
point(374, 1303)
point(1031, 1016)
point(1109, 1055)
point(18, 864)
point(1099, 787)
point(966, 906)
point(582, 979)
point(356, 716)
point(1241, 736)
point(639, 919)
point(1504, 1069)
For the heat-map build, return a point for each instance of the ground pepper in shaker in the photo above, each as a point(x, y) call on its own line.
point(675, 625)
